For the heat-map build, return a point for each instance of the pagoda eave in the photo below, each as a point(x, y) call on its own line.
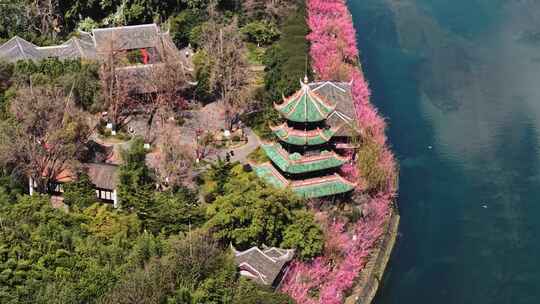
point(302, 164)
point(309, 188)
point(301, 138)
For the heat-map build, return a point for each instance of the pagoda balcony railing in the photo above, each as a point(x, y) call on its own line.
point(304, 137)
point(297, 164)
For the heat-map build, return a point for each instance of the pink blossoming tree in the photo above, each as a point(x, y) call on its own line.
point(334, 56)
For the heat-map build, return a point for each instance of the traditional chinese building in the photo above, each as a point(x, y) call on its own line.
point(98, 44)
point(153, 46)
point(319, 122)
point(267, 266)
point(104, 178)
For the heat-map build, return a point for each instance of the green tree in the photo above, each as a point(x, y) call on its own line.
point(202, 63)
point(248, 293)
point(37, 245)
point(196, 4)
point(80, 193)
point(304, 234)
point(174, 212)
point(260, 32)
point(83, 85)
point(181, 26)
point(106, 224)
point(87, 25)
point(215, 179)
point(134, 181)
point(250, 213)
point(286, 60)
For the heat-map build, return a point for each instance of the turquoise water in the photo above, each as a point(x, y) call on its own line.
point(459, 81)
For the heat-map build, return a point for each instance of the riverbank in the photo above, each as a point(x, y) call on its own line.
point(353, 243)
point(369, 280)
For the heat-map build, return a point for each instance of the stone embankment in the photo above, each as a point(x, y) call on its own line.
point(369, 280)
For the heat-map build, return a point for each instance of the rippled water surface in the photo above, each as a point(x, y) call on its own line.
point(459, 81)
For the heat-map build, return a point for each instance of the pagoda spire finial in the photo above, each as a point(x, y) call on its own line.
point(303, 85)
point(306, 71)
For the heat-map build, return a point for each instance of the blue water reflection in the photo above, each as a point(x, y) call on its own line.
point(463, 77)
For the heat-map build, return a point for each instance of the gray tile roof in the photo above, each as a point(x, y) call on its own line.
point(94, 45)
point(263, 266)
point(19, 49)
point(344, 114)
point(126, 37)
point(104, 176)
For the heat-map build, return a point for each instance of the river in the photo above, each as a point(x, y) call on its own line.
point(459, 82)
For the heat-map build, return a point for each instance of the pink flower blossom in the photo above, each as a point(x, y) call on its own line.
point(334, 56)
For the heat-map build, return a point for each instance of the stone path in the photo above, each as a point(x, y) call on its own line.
point(241, 153)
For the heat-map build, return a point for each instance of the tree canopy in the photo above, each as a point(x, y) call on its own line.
point(169, 241)
point(247, 212)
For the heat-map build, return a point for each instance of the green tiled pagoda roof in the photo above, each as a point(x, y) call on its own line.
point(323, 186)
point(305, 106)
point(296, 163)
point(302, 138)
point(309, 188)
point(268, 173)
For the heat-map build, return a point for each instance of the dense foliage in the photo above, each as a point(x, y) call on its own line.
point(78, 79)
point(161, 245)
point(80, 193)
point(50, 256)
point(94, 254)
point(246, 212)
point(47, 22)
point(286, 64)
point(169, 212)
point(287, 61)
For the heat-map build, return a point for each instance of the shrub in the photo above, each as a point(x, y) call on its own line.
point(84, 86)
point(80, 193)
point(369, 168)
point(305, 235)
point(258, 156)
point(182, 25)
point(260, 32)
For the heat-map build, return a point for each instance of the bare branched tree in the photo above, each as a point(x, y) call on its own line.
point(116, 87)
point(163, 85)
point(272, 9)
point(47, 135)
point(44, 16)
point(176, 161)
point(229, 69)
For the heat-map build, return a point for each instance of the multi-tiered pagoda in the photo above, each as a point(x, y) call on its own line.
point(306, 157)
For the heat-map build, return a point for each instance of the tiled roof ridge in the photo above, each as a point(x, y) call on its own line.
point(265, 249)
point(286, 100)
point(78, 45)
point(20, 46)
point(261, 276)
point(310, 96)
point(255, 248)
point(276, 173)
point(321, 84)
point(341, 115)
point(321, 180)
point(124, 27)
point(306, 159)
point(320, 98)
point(311, 133)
